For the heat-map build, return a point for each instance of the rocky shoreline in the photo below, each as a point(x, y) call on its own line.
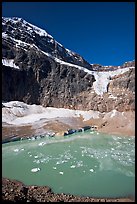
point(15, 191)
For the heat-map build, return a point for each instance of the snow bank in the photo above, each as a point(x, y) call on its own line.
point(18, 113)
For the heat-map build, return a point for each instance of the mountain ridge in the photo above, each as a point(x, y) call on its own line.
point(30, 34)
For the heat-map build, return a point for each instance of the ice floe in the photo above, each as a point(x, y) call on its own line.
point(16, 150)
point(35, 169)
point(73, 166)
point(61, 172)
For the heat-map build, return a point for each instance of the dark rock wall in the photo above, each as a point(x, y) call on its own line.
point(19, 85)
point(41, 80)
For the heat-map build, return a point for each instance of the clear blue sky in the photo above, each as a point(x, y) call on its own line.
point(101, 32)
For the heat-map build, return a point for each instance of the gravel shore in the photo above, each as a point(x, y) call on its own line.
point(15, 191)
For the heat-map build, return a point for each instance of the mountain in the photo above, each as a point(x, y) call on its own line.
point(36, 69)
point(25, 36)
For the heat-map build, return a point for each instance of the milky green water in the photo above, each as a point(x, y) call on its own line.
point(87, 164)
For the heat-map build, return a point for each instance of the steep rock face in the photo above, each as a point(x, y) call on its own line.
point(20, 33)
point(19, 85)
point(37, 69)
point(41, 80)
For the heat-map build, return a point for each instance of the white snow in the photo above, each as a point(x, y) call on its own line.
point(111, 96)
point(28, 26)
point(18, 113)
point(113, 113)
point(38, 30)
point(70, 53)
point(103, 79)
point(58, 43)
point(101, 83)
point(4, 35)
point(9, 63)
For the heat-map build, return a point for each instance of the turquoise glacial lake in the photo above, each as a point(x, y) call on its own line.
point(85, 164)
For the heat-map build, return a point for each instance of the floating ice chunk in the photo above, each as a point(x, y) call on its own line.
point(16, 150)
point(37, 161)
point(61, 172)
point(79, 163)
point(36, 156)
point(41, 143)
point(54, 167)
point(35, 169)
point(91, 170)
point(73, 166)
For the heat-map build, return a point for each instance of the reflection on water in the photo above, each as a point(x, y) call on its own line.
point(88, 164)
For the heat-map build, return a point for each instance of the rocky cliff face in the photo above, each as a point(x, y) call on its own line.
point(37, 69)
point(23, 35)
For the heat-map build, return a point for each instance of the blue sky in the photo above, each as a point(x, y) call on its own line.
point(101, 32)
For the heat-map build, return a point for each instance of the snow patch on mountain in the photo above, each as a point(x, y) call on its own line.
point(32, 30)
point(30, 27)
point(9, 63)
